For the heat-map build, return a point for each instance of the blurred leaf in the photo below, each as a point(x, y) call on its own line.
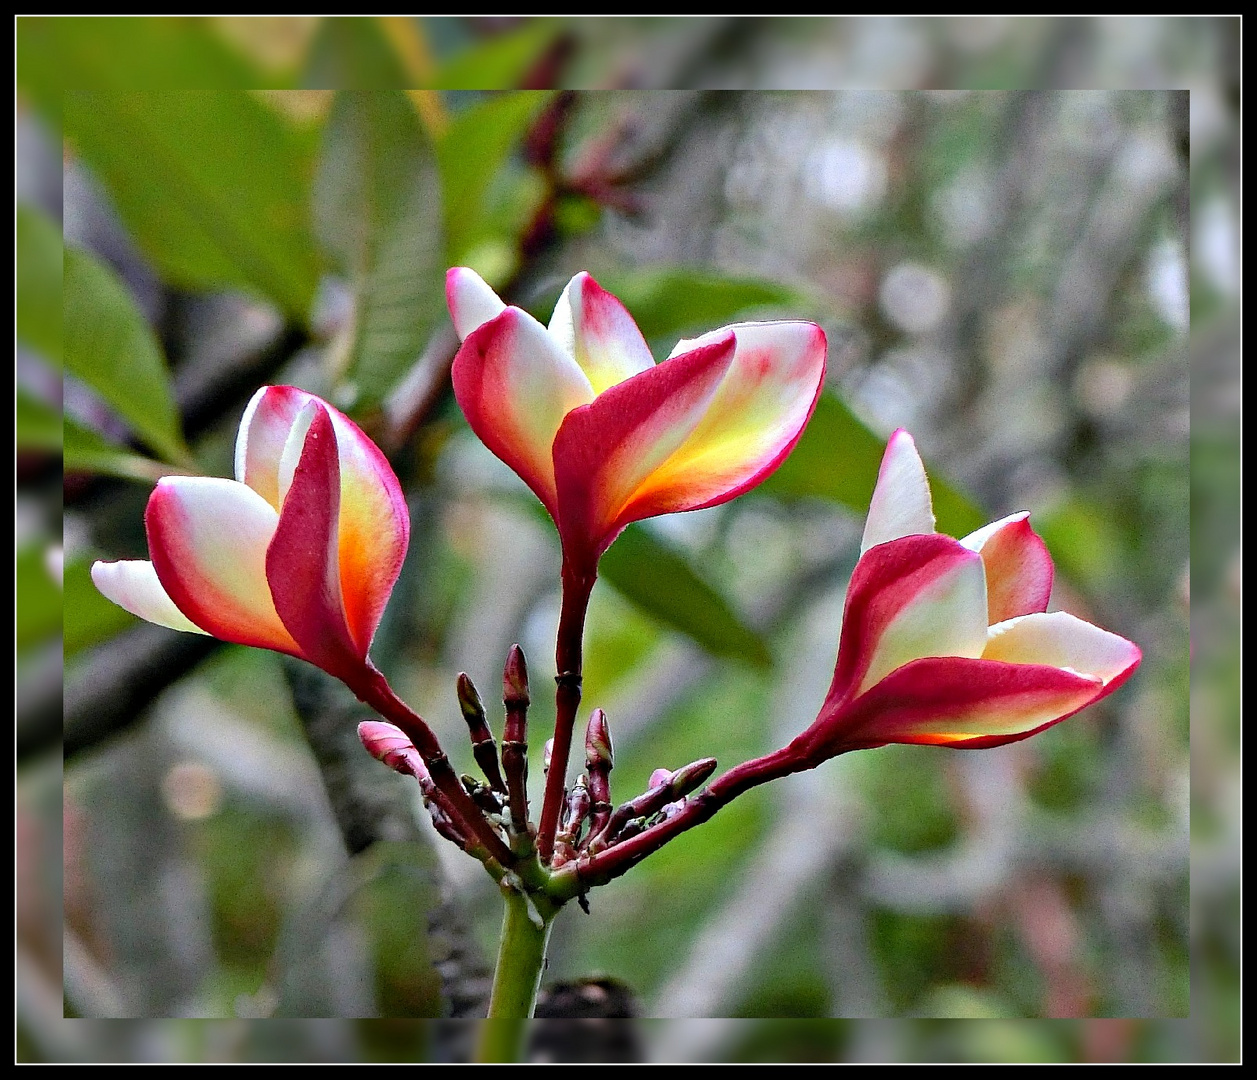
point(84, 450)
point(38, 283)
point(377, 208)
point(115, 53)
point(212, 185)
point(38, 615)
point(37, 424)
point(354, 53)
point(110, 347)
point(471, 152)
point(89, 617)
point(500, 62)
point(659, 579)
point(667, 302)
point(837, 459)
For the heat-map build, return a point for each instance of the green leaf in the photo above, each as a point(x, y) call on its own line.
point(666, 302)
point(111, 348)
point(212, 184)
point(38, 615)
point(500, 62)
point(354, 54)
point(89, 618)
point(660, 580)
point(37, 424)
point(118, 53)
point(377, 208)
point(837, 459)
point(38, 283)
point(471, 153)
point(84, 450)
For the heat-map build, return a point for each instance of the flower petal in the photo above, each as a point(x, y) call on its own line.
point(901, 504)
point(1018, 567)
point(1064, 641)
point(374, 525)
point(303, 561)
point(132, 584)
point(515, 386)
point(594, 328)
point(264, 431)
point(208, 539)
point(920, 595)
point(471, 302)
point(754, 420)
point(607, 451)
point(374, 529)
point(955, 701)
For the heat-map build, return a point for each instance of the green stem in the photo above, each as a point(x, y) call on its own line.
point(521, 958)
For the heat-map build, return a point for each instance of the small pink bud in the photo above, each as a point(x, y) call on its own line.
point(658, 778)
point(388, 744)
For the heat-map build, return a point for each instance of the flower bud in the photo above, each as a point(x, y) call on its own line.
point(599, 753)
point(515, 678)
point(388, 744)
point(693, 775)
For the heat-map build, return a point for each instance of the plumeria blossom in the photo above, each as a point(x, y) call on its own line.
point(949, 642)
point(605, 436)
point(298, 553)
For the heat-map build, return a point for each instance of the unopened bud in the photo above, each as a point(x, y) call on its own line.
point(547, 752)
point(515, 678)
point(599, 753)
point(472, 708)
point(693, 775)
point(388, 744)
point(658, 778)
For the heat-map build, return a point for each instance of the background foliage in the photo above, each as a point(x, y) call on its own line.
point(205, 205)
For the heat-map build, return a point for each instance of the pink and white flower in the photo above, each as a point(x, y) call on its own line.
point(299, 553)
point(949, 642)
point(602, 434)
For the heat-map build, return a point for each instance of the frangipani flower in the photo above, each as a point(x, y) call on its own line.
point(949, 642)
point(605, 436)
point(298, 553)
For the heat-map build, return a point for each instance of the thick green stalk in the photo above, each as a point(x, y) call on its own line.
point(521, 958)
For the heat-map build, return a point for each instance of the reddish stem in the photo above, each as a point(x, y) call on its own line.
point(612, 862)
point(373, 689)
point(567, 659)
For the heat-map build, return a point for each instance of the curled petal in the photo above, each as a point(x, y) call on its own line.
point(1064, 641)
point(303, 561)
point(920, 595)
point(955, 701)
point(264, 431)
point(1018, 567)
point(607, 452)
point(515, 385)
point(471, 302)
point(208, 539)
point(901, 504)
point(594, 328)
point(132, 584)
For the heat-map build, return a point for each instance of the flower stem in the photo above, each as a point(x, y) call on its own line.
point(521, 957)
point(567, 657)
point(373, 689)
point(614, 861)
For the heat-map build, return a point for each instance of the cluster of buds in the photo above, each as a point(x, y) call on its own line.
point(589, 823)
